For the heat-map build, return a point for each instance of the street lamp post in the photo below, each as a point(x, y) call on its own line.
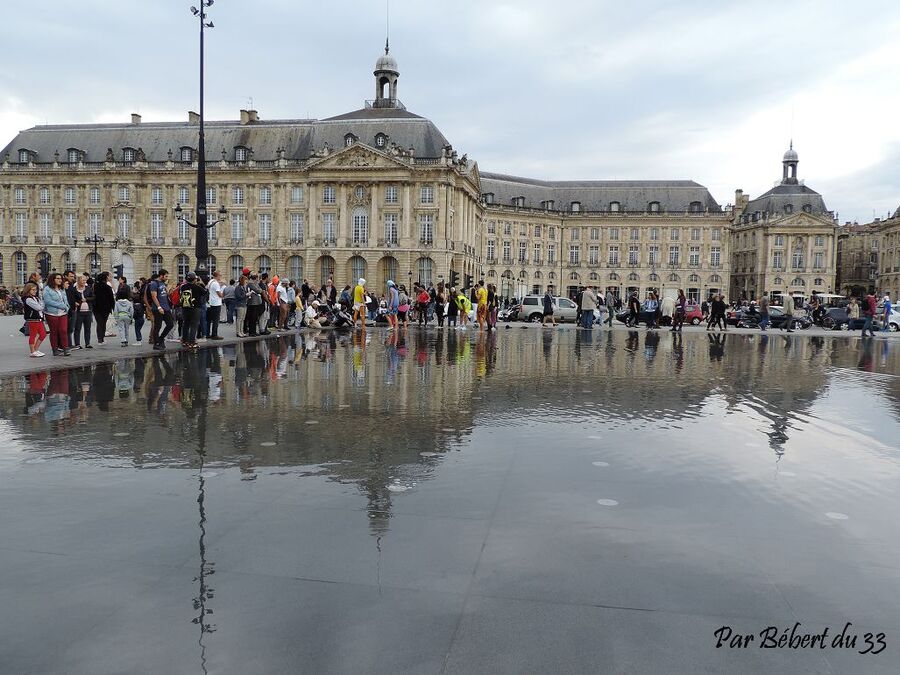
point(94, 239)
point(201, 242)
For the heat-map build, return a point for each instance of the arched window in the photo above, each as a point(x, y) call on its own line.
point(633, 277)
point(235, 266)
point(491, 274)
point(613, 277)
point(349, 140)
point(807, 208)
point(538, 275)
point(653, 277)
point(552, 275)
point(674, 277)
point(798, 282)
point(94, 263)
point(21, 261)
point(573, 276)
point(389, 269)
point(156, 263)
point(43, 263)
point(360, 226)
point(426, 270)
point(211, 264)
point(380, 140)
point(67, 262)
point(326, 268)
point(819, 282)
point(694, 279)
point(696, 207)
point(264, 264)
point(715, 279)
point(593, 276)
point(779, 281)
point(357, 268)
point(182, 265)
point(295, 268)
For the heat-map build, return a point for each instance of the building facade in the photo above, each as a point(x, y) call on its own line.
point(784, 241)
point(889, 255)
point(857, 258)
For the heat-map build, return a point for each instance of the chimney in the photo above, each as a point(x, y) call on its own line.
point(245, 116)
point(253, 115)
point(135, 118)
point(193, 118)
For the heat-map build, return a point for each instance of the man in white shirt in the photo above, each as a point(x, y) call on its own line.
point(214, 307)
point(284, 304)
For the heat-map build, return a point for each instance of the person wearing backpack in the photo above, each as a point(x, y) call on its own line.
point(190, 298)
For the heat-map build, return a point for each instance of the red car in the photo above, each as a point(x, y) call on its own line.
point(693, 314)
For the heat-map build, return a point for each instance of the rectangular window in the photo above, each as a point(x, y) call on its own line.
point(695, 234)
point(779, 240)
point(694, 256)
point(614, 234)
point(573, 234)
point(361, 228)
point(124, 193)
point(819, 260)
point(674, 255)
point(635, 234)
point(778, 260)
point(238, 222)
point(820, 240)
point(44, 226)
point(237, 195)
point(653, 255)
point(715, 256)
point(298, 228)
point(156, 196)
point(71, 225)
point(490, 249)
point(20, 196)
point(537, 231)
point(507, 252)
point(391, 228)
point(297, 194)
point(329, 194)
point(265, 196)
point(536, 254)
point(654, 234)
point(551, 254)
point(124, 226)
point(426, 228)
point(184, 231)
point(523, 230)
point(595, 234)
point(156, 226)
point(674, 234)
point(329, 228)
point(634, 255)
point(613, 257)
point(797, 260)
point(551, 232)
point(507, 228)
point(211, 195)
point(44, 196)
point(716, 234)
point(265, 226)
point(492, 227)
point(574, 254)
point(426, 194)
point(69, 196)
point(392, 195)
point(184, 195)
point(593, 255)
point(21, 225)
point(94, 222)
point(523, 251)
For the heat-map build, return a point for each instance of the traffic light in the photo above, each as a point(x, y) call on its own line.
point(454, 279)
point(468, 281)
point(120, 271)
point(44, 264)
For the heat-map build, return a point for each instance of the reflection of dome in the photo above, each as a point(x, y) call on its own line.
point(387, 62)
point(791, 155)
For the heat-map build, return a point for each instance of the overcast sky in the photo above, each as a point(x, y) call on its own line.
point(598, 89)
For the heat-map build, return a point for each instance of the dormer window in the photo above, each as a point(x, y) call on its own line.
point(187, 155)
point(575, 207)
point(73, 155)
point(807, 208)
point(696, 207)
point(788, 208)
point(380, 140)
point(653, 207)
point(24, 156)
point(240, 154)
point(615, 207)
point(349, 140)
point(518, 201)
point(128, 155)
point(488, 197)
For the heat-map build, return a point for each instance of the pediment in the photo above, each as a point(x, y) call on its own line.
point(355, 157)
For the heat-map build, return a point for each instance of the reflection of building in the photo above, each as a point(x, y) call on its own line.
point(623, 235)
point(784, 240)
point(857, 258)
point(889, 272)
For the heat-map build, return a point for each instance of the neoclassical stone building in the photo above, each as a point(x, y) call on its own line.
point(857, 257)
point(784, 241)
point(889, 255)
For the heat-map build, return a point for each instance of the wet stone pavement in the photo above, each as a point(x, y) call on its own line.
point(529, 501)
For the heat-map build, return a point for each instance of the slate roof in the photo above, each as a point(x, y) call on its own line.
point(797, 196)
point(299, 138)
point(596, 195)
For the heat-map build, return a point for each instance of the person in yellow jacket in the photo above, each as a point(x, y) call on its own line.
point(465, 306)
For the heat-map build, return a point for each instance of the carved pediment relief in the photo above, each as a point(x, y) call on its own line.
point(357, 157)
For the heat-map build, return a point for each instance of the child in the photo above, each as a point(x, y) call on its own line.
point(124, 314)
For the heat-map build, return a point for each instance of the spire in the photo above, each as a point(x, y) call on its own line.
point(789, 163)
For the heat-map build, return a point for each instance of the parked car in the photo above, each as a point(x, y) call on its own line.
point(642, 317)
point(533, 309)
point(693, 314)
point(777, 318)
point(837, 318)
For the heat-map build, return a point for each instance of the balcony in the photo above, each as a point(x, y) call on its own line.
point(237, 243)
point(213, 241)
point(493, 261)
point(360, 242)
point(426, 241)
point(43, 240)
point(155, 241)
point(295, 241)
point(177, 241)
point(18, 239)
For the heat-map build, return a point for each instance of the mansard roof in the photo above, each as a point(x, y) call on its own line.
point(596, 195)
point(788, 198)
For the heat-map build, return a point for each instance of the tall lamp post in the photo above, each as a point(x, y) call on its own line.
point(94, 239)
point(202, 225)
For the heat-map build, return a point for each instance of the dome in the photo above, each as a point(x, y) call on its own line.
point(791, 155)
point(386, 62)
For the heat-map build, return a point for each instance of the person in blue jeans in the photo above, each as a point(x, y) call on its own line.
point(868, 315)
point(886, 323)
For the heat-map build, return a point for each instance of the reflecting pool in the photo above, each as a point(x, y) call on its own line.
point(531, 500)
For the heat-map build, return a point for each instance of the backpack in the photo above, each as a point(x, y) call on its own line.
point(186, 298)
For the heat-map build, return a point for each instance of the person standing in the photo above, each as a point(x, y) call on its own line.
point(452, 308)
point(493, 307)
point(393, 303)
point(123, 313)
point(254, 306)
point(651, 306)
point(33, 309)
point(481, 298)
point(610, 301)
point(214, 311)
point(162, 311)
point(440, 299)
point(868, 309)
point(852, 311)
point(763, 308)
point(240, 306)
point(788, 313)
point(634, 310)
point(885, 316)
point(403, 308)
point(69, 278)
point(284, 304)
point(56, 311)
point(548, 307)
point(84, 299)
point(359, 303)
point(588, 307)
point(103, 304)
point(138, 310)
point(717, 313)
point(228, 301)
point(679, 312)
point(190, 297)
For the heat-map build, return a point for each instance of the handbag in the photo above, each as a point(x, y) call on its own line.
point(24, 329)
